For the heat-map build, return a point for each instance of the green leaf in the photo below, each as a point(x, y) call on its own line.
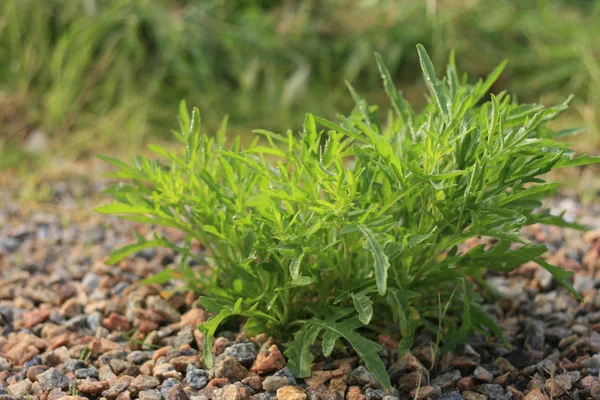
point(114, 162)
point(212, 230)
point(401, 107)
point(415, 240)
point(435, 87)
point(489, 81)
point(124, 251)
point(532, 192)
point(161, 277)
point(560, 275)
point(209, 328)
point(310, 131)
point(300, 281)
point(117, 208)
point(364, 307)
point(250, 242)
point(212, 305)
point(366, 349)
point(222, 132)
point(184, 117)
point(576, 162)
point(295, 266)
point(382, 263)
point(299, 355)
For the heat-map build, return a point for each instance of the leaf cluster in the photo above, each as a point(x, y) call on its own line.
point(333, 234)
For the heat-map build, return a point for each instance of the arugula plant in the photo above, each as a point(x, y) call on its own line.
point(354, 225)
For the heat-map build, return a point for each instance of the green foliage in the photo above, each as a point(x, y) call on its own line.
point(355, 224)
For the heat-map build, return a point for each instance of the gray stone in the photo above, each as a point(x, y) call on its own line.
point(144, 382)
point(447, 379)
point(139, 357)
point(77, 323)
point(10, 244)
point(73, 365)
point(168, 384)
point(287, 373)
point(118, 366)
point(244, 353)
point(361, 376)
point(535, 336)
point(37, 360)
point(185, 336)
point(91, 281)
point(482, 374)
point(259, 396)
point(152, 394)
point(162, 307)
point(83, 373)
point(146, 254)
point(229, 368)
point(547, 365)
point(114, 391)
point(374, 394)
point(593, 362)
point(94, 321)
point(451, 396)
point(272, 383)
point(495, 392)
point(52, 379)
point(574, 376)
point(177, 393)
point(522, 359)
point(20, 388)
point(107, 357)
point(196, 378)
point(105, 373)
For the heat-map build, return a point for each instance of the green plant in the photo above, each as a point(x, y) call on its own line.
point(336, 233)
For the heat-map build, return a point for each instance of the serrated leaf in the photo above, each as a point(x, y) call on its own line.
point(382, 263)
point(366, 349)
point(329, 339)
point(364, 307)
point(560, 275)
point(298, 352)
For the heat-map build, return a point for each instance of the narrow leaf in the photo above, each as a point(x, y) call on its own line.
point(382, 263)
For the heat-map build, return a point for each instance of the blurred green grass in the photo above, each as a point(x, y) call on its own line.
point(104, 75)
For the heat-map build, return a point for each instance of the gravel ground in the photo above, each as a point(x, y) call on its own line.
point(72, 327)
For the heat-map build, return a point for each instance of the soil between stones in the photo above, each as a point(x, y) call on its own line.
point(72, 327)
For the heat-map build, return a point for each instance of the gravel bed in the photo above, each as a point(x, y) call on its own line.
point(72, 327)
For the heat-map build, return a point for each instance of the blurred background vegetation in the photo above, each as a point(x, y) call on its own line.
point(79, 77)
